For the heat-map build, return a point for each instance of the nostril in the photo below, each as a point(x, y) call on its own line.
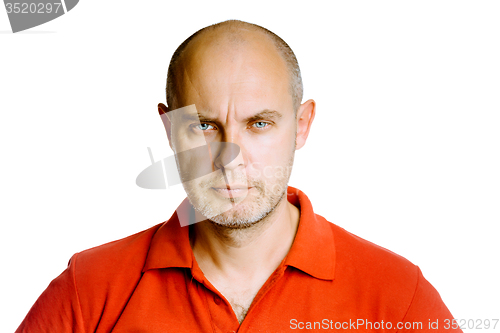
point(224, 153)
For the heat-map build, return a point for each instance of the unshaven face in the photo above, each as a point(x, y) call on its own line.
point(241, 96)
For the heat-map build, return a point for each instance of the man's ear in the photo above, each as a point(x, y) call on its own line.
point(305, 117)
point(163, 111)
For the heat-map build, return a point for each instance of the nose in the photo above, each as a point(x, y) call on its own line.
point(227, 155)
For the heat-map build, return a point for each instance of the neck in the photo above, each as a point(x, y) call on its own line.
point(253, 251)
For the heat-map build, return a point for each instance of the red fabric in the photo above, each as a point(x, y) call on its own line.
point(150, 282)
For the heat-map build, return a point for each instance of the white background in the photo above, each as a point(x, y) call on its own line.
point(404, 150)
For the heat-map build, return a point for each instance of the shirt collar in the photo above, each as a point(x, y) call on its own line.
point(170, 245)
point(312, 251)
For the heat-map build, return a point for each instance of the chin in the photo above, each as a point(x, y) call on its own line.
point(248, 213)
point(239, 212)
point(234, 212)
point(238, 220)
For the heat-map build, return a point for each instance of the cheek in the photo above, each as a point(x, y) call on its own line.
point(182, 141)
point(193, 157)
point(271, 161)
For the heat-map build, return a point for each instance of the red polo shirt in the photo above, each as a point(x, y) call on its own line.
point(150, 282)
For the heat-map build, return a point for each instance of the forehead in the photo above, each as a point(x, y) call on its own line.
point(219, 69)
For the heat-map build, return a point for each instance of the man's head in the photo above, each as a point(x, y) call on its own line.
point(234, 31)
point(247, 92)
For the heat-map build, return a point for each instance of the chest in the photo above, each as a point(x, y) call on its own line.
point(240, 291)
point(239, 297)
point(171, 300)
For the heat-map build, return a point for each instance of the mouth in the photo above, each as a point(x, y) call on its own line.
point(232, 191)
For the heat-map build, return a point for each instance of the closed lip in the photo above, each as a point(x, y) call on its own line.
point(231, 187)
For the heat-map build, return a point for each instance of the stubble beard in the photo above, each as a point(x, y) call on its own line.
point(237, 213)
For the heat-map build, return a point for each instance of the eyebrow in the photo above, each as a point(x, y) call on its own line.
point(262, 115)
point(191, 116)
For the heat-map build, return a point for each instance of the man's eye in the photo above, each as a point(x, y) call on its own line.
point(204, 127)
point(260, 124)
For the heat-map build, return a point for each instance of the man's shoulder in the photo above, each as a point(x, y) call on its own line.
point(355, 247)
point(368, 276)
point(98, 281)
point(366, 263)
point(127, 253)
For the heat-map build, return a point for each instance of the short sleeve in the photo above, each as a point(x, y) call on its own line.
point(427, 312)
point(58, 307)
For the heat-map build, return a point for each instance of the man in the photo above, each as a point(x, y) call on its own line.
point(246, 252)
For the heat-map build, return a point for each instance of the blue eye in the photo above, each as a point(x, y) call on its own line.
point(204, 126)
point(261, 124)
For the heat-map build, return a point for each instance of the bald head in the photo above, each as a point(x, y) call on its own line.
point(232, 37)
